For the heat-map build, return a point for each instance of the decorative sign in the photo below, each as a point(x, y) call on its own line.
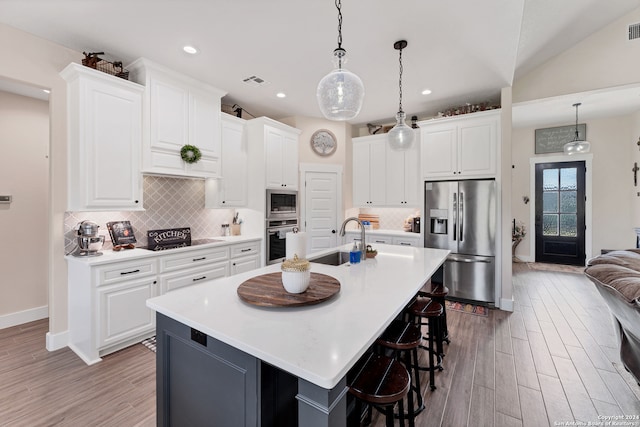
point(158, 240)
point(552, 140)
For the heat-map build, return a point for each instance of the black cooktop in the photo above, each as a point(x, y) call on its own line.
point(181, 244)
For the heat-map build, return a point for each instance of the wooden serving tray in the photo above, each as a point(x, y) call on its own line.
point(267, 291)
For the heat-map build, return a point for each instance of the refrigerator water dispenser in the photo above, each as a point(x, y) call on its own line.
point(438, 221)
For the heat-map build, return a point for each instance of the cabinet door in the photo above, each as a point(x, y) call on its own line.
point(233, 188)
point(290, 161)
point(439, 151)
point(274, 142)
point(395, 182)
point(123, 311)
point(477, 148)
point(204, 123)
point(361, 174)
point(112, 120)
point(377, 172)
point(412, 180)
point(241, 265)
point(169, 116)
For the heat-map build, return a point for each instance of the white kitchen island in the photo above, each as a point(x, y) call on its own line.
point(213, 347)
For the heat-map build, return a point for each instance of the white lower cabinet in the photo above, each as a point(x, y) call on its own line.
point(244, 257)
point(123, 311)
point(108, 299)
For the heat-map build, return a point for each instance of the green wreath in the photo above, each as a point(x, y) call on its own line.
point(190, 153)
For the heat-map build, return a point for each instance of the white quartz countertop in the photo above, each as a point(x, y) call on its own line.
point(318, 343)
point(109, 255)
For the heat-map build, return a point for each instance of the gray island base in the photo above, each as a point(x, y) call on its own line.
point(223, 362)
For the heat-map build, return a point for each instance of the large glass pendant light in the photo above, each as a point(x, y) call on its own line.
point(340, 93)
point(576, 146)
point(401, 135)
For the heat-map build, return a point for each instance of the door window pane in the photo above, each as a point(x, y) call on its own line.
point(549, 225)
point(568, 225)
point(550, 180)
point(568, 179)
point(550, 202)
point(568, 201)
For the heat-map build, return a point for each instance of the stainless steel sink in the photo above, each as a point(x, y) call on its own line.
point(334, 258)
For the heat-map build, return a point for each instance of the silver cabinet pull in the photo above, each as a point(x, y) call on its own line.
point(199, 259)
point(245, 250)
point(199, 278)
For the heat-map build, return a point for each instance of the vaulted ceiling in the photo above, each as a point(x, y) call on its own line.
point(463, 51)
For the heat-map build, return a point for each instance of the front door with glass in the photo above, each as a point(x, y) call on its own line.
point(560, 209)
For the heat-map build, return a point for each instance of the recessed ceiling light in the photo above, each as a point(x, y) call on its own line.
point(281, 95)
point(190, 49)
point(46, 90)
point(426, 91)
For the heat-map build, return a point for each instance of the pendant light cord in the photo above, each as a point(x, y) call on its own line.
point(339, 7)
point(576, 105)
point(400, 83)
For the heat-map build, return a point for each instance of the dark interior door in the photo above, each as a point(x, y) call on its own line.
point(560, 204)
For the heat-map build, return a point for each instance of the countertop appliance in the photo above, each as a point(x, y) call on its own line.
point(88, 241)
point(462, 216)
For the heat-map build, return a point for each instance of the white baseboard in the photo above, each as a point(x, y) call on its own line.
point(57, 341)
point(25, 316)
point(506, 304)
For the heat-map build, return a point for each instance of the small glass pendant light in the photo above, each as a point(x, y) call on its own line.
point(340, 93)
point(576, 146)
point(400, 136)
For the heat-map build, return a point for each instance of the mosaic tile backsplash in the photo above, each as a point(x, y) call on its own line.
point(390, 218)
point(168, 203)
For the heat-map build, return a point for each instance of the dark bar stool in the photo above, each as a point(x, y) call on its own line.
point(381, 382)
point(403, 339)
point(426, 309)
point(438, 292)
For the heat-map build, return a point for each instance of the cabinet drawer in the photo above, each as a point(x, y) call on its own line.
point(121, 271)
point(170, 282)
point(193, 258)
point(244, 249)
point(406, 241)
point(378, 239)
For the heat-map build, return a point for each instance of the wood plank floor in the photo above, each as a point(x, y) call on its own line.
point(553, 360)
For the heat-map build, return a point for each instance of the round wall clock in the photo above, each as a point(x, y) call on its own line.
point(323, 142)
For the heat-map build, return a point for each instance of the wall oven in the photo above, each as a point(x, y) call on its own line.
point(277, 238)
point(282, 204)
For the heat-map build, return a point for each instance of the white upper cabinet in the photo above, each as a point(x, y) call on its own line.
point(369, 171)
point(231, 189)
point(178, 111)
point(273, 147)
point(402, 176)
point(461, 147)
point(104, 141)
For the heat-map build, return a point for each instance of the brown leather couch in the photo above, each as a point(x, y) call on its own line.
point(616, 275)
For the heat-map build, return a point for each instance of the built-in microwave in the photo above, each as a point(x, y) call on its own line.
point(282, 204)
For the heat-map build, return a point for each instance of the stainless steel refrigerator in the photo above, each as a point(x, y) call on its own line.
point(462, 216)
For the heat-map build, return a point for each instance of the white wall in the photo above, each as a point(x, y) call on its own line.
point(24, 174)
point(35, 61)
point(612, 183)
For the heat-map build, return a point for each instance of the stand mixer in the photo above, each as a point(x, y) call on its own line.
point(88, 241)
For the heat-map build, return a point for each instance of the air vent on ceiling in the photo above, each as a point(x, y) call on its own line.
point(634, 31)
point(255, 81)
